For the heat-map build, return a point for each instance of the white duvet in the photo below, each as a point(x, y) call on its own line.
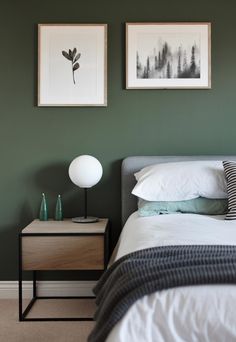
point(190, 313)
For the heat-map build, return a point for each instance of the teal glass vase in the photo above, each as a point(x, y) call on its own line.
point(58, 209)
point(43, 212)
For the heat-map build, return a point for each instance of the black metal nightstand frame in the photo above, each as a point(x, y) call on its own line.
point(23, 313)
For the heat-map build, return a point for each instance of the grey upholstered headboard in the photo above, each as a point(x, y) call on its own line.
point(130, 165)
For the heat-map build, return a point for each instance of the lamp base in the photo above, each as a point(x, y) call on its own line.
point(88, 219)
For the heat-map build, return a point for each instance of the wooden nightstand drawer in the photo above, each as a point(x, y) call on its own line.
point(63, 252)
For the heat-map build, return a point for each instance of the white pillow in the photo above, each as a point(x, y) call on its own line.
point(181, 181)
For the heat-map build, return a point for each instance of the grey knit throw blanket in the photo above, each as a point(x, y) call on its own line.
point(154, 269)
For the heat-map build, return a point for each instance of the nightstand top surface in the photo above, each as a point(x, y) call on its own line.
point(65, 226)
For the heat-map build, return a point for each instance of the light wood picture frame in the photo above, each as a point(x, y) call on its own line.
point(72, 65)
point(168, 55)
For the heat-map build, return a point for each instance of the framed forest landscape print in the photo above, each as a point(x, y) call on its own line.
point(168, 55)
point(72, 65)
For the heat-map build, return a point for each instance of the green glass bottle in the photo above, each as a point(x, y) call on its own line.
point(58, 209)
point(43, 213)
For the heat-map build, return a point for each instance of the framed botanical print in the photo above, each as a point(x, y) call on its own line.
point(168, 55)
point(72, 65)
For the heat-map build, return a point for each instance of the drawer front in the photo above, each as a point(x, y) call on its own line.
point(63, 252)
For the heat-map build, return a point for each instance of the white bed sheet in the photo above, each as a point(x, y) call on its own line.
point(190, 313)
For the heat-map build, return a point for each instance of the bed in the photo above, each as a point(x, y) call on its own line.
point(183, 313)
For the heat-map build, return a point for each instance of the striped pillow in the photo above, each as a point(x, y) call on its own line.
point(230, 173)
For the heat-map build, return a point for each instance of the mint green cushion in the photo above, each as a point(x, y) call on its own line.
point(200, 205)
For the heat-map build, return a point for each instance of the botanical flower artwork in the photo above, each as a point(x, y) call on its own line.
point(72, 65)
point(168, 57)
point(73, 57)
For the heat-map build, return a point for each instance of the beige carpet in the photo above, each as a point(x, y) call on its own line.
point(11, 330)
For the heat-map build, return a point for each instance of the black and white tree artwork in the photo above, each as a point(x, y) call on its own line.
point(73, 58)
point(168, 56)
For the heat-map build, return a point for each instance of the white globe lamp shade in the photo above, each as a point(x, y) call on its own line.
point(85, 171)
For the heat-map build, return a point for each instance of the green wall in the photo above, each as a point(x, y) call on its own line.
point(37, 144)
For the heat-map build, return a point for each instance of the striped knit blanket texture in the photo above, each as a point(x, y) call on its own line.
point(154, 269)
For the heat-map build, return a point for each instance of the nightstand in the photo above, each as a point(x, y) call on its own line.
point(61, 245)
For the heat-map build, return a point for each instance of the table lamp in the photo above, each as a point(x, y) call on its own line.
point(85, 171)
